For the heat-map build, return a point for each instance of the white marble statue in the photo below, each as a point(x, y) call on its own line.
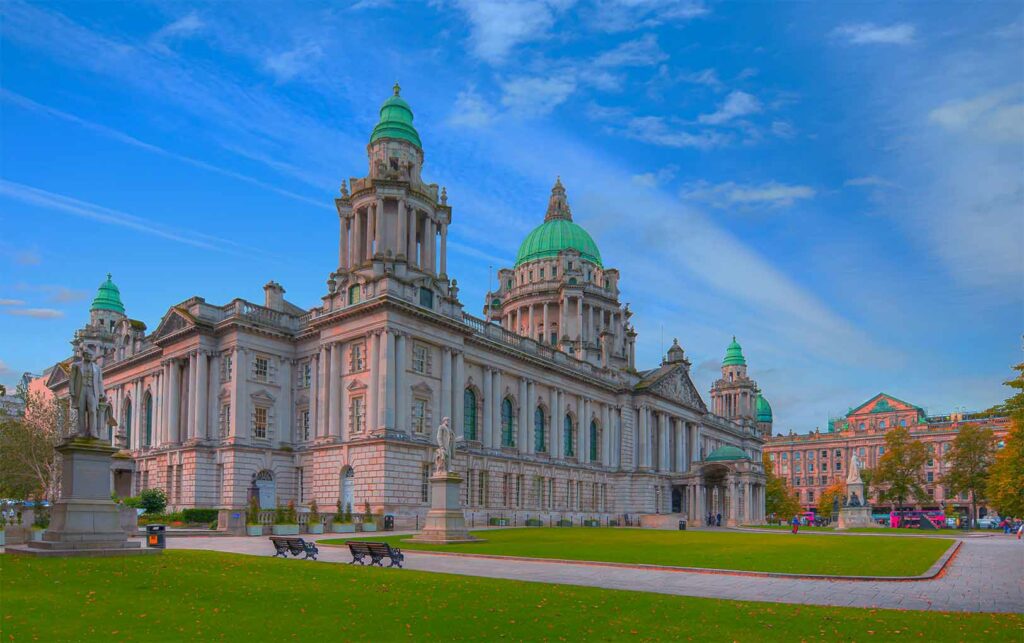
point(444, 455)
point(85, 384)
point(853, 477)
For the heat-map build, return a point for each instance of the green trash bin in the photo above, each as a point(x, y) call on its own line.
point(155, 536)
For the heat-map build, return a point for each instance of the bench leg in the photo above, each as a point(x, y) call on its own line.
point(377, 560)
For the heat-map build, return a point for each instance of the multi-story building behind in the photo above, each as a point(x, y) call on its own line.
point(339, 402)
point(811, 462)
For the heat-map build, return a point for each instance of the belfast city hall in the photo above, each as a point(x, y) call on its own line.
point(339, 402)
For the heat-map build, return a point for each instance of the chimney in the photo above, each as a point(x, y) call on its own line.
point(273, 294)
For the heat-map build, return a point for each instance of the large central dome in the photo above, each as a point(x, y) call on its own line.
point(558, 233)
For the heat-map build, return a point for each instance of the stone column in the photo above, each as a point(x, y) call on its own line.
point(644, 445)
point(411, 241)
point(446, 382)
point(579, 429)
point(346, 232)
point(488, 408)
point(371, 226)
point(386, 402)
point(314, 395)
point(380, 231)
point(401, 234)
point(553, 423)
point(323, 392)
point(496, 411)
point(190, 423)
point(531, 410)
point(240, 389)
point(356, 257)
point(547, 330)
point(173, 402)
point(202, 395)
point(665, 448)
point(606, 436)
point(334, 392)
point(444, 249)
point(458, 394)
point(373, 388)
point(530, 324)
point(401, 385)
point(521, 441)
point(579, 319)
point(430, 238)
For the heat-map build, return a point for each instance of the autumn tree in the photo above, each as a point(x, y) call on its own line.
point(835, 490)
point(779, 499)
point(899, 469)
point(1006, 482)
point(29, 464)
point(969, 461)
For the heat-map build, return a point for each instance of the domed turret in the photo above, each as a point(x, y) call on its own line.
point(396, 121)
point(734, 355)
point(764, 410)
point(558, 233)
point(108, 297)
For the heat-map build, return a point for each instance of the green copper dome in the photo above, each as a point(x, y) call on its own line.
point(727, 453)
point(734, 355)
point(764, 410)
point(558, 233)
point(108, 297)
point(396, 121)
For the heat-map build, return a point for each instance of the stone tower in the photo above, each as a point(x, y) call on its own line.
point(734, 395)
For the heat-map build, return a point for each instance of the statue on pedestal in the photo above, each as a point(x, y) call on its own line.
point(85, 383)
point(855, 466)
point(444, 454)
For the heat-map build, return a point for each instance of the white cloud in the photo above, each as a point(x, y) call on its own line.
point(641, 52)
point(867, 33)
point(723, 195)
point(185, 27)
point(707, 77)
point(655, 179)
point(35, 313)
point(783, 129)
point(736, 104)
point(654, 129)
point(535, 96)
point(630, 15)
point(286, 65)
point(471, 109)
point(498, 26)
point(997, 116)
point(12, 302)
point(868, 181)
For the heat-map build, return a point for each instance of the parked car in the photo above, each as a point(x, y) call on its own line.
point(988, 522)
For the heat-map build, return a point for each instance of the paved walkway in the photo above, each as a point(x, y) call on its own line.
point(986, 576)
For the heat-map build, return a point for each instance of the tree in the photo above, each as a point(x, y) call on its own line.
point(29, 464)
point(1006, 483)
point(969, 461)
point(899, 469)
point(779, 500)
point(835, 490)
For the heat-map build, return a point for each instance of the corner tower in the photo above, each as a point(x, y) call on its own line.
point(560, 294)
point(734, 396)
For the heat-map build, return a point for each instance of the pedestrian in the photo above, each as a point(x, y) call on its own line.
point(1020, 530)
point(796, 524)
point(718, 520)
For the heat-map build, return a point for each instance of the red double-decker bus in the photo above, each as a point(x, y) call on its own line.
point(912, 519)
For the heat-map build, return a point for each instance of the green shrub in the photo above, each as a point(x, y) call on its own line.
point(252, 514)
point(153, 500)
point(285, 515)
point(367, 514)
point(134, 502)
point(198, 515)
point(534, 522)
point(314, 513)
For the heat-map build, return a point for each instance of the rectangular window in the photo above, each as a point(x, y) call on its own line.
point(810, 455)
point(419, 415)
point(810, 495)
point(425, 483)
point(881, 450)
point(824, 453)
point(305, 374)
point(261, 368)
point(542, 273)
point(354, 293)
point(796, 468)
point(839, 453)
point(426, 298)
point(551, 493)
point(419, 358)
point(481, 489)
point(931, 477)
point(303, 425)
point(824, 479)
point(810, 467)
point(519, 490)
point(824, 466)
point(260, 422)
point(796, 456)
point(300, 483)
point(224, 421)
point(357, 414)
point(357, 358)
point(796, 481)
point(839, 465)
point(226, 368)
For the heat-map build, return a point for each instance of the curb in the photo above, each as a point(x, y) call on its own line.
point(935, 571)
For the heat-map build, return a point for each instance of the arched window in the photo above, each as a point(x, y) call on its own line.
point(572, 281)
point(593, 441)
point(127, 424)
point(469, 414)
point(567, 437)
point(149, 420)
point(508, 435)
point(539, 442)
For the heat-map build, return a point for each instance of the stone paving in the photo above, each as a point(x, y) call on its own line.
point(986, 576)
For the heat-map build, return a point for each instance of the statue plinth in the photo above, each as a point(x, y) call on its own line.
point(856, 513)
point(446, 523)
point(85, 521)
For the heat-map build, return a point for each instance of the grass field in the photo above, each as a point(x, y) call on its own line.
point(198, 595)
point(803, 554)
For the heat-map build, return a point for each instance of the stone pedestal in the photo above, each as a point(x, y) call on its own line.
point(856, 515)
point(85, 521)
point(446, 523)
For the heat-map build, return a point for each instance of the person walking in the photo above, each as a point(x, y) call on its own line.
point(718, 520)
point(796, 524)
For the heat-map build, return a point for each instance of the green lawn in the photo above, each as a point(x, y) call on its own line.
point(198, 595)
point(805, 554)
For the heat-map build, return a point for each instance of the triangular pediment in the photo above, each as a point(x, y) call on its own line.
point(883, 403)
point(174, 321)
point(675, 384)
point(356, 385)
point(263, 396)
point(59, 373)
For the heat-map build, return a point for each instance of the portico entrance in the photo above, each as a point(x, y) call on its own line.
point(727, 482)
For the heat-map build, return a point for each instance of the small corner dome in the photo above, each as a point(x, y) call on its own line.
point(734, 355)
point(558, 232)
point(108, 297)
point(764, 410)
point(396, 121)
point(727, 452)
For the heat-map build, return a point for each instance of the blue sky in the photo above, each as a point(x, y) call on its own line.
point(841, 186)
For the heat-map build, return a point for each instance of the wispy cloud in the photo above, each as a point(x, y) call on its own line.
point(630, 15)
point(641, 52)
point(997, 115)
point(658, 178)
point(471, 109)
point(659, 131)
point(536, 96)
point(184, 27)
point(35, 313)
point(736, 104)
point(868, 181)
point(83, 209)
point(286, 65)
point(867, 33)
point(12, 302)
point(771, 194)
point(497, 26)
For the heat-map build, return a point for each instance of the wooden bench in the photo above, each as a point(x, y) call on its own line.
point(283, 545)
point(377, 552)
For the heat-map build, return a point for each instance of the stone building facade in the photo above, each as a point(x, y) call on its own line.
point(338, 402)
point(811, 462)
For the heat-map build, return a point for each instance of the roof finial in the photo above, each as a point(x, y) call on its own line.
point(558, 205)
point(397, 88)
point(109, 276)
